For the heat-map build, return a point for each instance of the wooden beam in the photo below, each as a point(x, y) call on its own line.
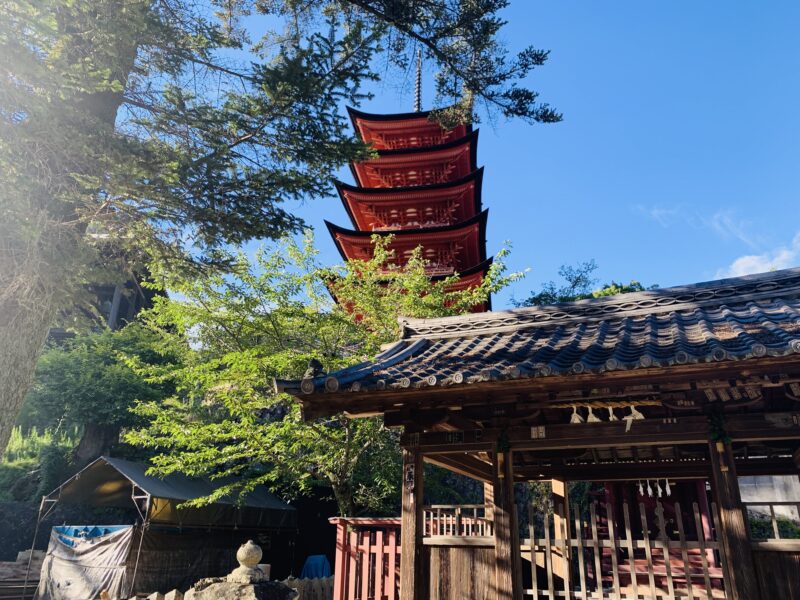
point(741, 581)
point(628, 471)
point(463, 465)
point(509, 390)
point(412, 571)
point(646, 432)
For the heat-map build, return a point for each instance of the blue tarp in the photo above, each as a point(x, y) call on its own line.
point(64, 532)
point(315, 566)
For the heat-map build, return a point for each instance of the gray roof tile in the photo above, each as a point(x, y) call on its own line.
point(731, 319)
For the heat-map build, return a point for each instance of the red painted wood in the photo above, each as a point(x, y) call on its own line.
point(364, 559)
point(340, 573)
point(367, 559)
point(352, 570)
point(380, 551)
point(392, 565)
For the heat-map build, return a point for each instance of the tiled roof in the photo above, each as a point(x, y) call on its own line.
point(728, 320)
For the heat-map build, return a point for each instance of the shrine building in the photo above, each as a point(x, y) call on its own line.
point(669, 401)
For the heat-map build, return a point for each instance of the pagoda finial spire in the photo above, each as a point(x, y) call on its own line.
point(418, 90)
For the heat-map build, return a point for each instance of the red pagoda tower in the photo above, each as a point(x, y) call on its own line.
point(424, 188)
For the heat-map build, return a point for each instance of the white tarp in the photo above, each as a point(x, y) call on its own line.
point(82, 563)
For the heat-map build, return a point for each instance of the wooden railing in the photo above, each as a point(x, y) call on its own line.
point(457, 520)
point(780, 519)
point(605, 557)
point(367, 562)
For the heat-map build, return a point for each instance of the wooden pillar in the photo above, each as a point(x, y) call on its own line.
point(560, 505)
point(560, 498)
point(508, 569)
point(737, 553)
point(412, 568)
point(488, 500)
point(342, 557)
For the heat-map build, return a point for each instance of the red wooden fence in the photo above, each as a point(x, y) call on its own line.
point(367, 559)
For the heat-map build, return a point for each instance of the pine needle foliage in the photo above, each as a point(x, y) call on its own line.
point(144, 132)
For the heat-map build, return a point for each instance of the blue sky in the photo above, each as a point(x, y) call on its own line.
point(677, 160)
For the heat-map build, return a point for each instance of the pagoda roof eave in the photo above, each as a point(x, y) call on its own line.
point(479, 219)
point(470, 139)
point(355, 114)
point(481, 267)
point(476, 176)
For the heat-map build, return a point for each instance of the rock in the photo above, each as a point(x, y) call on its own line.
point(174, 595)
point(156, 596)
point(225, 590)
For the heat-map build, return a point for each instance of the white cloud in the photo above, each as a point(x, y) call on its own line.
point(725, 224)
point(782, 257)
point(663, 215)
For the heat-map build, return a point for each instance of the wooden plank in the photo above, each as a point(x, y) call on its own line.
point(566, 553)
point(648, 552)
point(532, 534)
point(598, 571)
point(581, 560)
point(612, 535)
point(365, 552)
point(391, 568)
point(629, 545)
point(649, 432)
point(352, 571)
point(778, 574)
point(663, 542)
point(684, 552)
point(412, 571)
point(548, 559)
point(701, 538)
point(456, 541)
point(340, 568)
point(380, 555)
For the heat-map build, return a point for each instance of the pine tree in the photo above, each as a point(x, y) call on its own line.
point(155, 132)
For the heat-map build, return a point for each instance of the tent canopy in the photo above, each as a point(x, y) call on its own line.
point(113, 482)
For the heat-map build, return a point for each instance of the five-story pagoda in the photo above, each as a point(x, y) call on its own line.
point(424, 189)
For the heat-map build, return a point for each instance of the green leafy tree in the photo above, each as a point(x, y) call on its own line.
point(579, 284)
point(157, 131)
point(273, 318)
point(86, 385)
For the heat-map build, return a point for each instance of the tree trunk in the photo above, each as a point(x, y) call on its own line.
point(39, 251)
point(343, 493)
point(96, 440)
point(23, 331)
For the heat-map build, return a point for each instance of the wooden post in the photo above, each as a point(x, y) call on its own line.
point(508, 568)
point(741, 582)
point(560, 497)
point(342, 557)
point(488, 500)
point(412, 573)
